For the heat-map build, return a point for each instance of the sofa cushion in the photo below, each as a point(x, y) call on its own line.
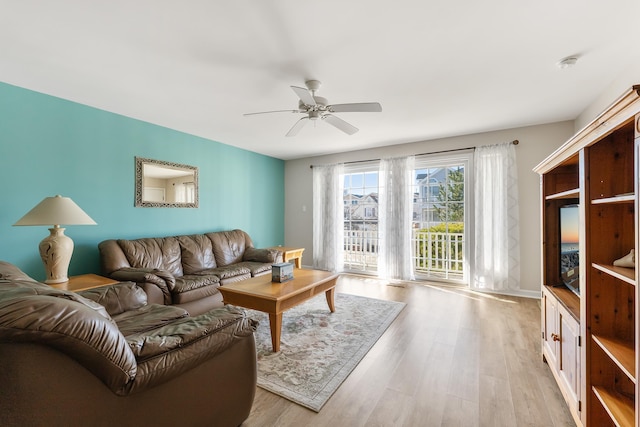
point(261, 255)
point(229, 246)
point(192, 288)
point(191, 282)
point(234, 279)
point(197, 294)
point(256, 268)
point(162, 253)
point(117, 298)
point(197, 253)
point(227, 271)
point(149, 317)
point(161, 353)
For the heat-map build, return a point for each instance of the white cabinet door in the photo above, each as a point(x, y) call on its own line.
point(569, 362)
point(550, 329)
point(561, 349)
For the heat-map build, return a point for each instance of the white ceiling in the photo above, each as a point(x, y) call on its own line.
point(438, 67)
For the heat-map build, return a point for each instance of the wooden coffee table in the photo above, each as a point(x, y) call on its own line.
point(260, 293)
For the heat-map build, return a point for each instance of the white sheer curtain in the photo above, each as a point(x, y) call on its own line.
point(497, 231)
point(395, 218)
point(328, 216)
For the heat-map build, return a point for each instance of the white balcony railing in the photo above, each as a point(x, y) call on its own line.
point(439, 255)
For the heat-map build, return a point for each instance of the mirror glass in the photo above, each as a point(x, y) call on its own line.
point(161, 184)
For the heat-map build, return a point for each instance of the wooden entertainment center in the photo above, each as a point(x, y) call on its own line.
point(590, 341)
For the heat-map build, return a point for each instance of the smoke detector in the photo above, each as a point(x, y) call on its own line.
point(567, 62)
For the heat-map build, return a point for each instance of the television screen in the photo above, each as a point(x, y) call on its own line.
point(569, 247)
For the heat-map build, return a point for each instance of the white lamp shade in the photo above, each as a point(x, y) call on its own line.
point(56, 210)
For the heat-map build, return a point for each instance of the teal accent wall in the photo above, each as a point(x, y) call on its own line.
point(50, 146)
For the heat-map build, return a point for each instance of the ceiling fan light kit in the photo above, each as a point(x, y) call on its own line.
point(316, 107)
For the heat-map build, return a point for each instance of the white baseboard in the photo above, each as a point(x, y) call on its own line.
point(513, 293)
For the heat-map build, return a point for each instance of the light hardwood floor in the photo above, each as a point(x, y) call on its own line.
point(453, 357)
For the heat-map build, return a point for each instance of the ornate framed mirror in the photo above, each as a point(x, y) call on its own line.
point(161, 184)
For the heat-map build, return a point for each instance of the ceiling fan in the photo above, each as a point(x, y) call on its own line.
point(318, 108)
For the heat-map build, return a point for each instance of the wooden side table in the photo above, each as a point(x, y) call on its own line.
point(290, 253)
point(83, 282)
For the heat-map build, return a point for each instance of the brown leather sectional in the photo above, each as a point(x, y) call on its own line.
point(107, 357)
point(186, 270)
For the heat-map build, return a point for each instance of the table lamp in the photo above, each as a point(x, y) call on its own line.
point(56, 249)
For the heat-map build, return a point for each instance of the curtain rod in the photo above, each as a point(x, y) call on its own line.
point(514, 142)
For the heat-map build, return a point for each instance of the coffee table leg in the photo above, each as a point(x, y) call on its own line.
point(275, 322)
point(330, 294)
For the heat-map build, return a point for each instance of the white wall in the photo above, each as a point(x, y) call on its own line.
point(536, 143)
point(626, 79)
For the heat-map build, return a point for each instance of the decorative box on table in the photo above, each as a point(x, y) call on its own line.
point(281, 272)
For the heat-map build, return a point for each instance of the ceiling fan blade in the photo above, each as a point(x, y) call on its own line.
point(304, 95)
point(274, 111)
point(340, 124)
point(296, 128)
point(364, 107)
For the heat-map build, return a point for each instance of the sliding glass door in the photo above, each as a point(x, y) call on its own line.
point(361, 217)
point(440, 211)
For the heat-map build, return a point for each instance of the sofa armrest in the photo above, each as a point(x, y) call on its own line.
point(169, 351)
point(65, 322)
point(111, 257)
point(161, 278)
point(118, 298)
point(261, 255)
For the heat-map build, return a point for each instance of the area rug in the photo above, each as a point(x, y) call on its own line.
point(319, 349)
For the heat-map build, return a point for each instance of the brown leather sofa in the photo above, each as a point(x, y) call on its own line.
point(105, 357)
point(186, 270)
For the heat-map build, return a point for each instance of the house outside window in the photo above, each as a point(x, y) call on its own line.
point(439, 213)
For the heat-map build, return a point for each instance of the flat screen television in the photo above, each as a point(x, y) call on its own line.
point(569, 247)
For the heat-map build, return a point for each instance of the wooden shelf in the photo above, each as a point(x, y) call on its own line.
point(626, 198)
point(568, 299)
point(621, 352)
point(599, 168)
point(569, 194)
point(619, 407)
point(625, 274)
